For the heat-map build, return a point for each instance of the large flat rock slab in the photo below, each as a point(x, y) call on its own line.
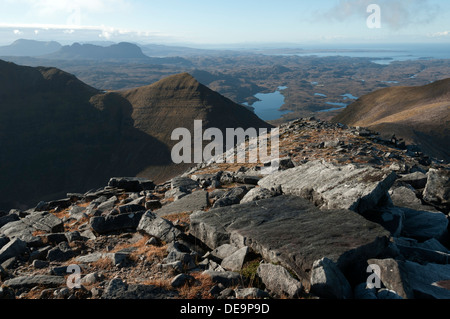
point(329, 186)
point(196, 201)
point(293, 232)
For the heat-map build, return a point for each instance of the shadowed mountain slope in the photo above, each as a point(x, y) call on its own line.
point(59, 135)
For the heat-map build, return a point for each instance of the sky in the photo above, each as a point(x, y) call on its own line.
point(221, 23)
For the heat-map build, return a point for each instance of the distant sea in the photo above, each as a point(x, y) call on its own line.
point(381, 53)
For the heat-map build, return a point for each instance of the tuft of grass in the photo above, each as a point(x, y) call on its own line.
point(198, 290)
point(249, 271)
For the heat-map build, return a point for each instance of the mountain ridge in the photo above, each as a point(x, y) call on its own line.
point(419, 115)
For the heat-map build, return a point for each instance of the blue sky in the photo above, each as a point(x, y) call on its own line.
point(224, 22)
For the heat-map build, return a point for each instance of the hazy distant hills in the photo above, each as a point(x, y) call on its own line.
point(59, 135)
point(420, 115)
point(104, 52)
point(123, 51)
point(30, 48)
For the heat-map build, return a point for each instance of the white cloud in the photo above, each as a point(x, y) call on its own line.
point(440, 34)
point(80, 32)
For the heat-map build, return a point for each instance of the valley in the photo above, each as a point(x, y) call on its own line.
point(312, 82)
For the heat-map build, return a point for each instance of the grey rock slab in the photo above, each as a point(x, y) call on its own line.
point(107, 205)
point(235, 261)
point(35, 280)
point(46, 222)
point(327, 281)
point(352, 187)
point(91, 258)
point(184, 183)
point(278, 280)
point(117, 289)
point(25, 227)
point(196, 201)
point(158, 227)
point(293, 232)
point(437, 190)
point(223, 251)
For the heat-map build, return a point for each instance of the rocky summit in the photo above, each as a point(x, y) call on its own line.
point(348, 215)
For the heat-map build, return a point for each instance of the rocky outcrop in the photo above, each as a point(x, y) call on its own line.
point(310, 229)
point(329, 186)
point(295, 236)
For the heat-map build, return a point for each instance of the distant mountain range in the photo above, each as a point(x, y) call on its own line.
point(29, 48)
point(120, 52)
point(102, 50)
point(420, 115)
point(60, 135)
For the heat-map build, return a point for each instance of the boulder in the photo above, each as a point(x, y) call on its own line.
point(223, 251)
point(429, 251)
point(185, 184)
point(158, 227)
point(394, 277)
point(417, 180)
point(259, 193)
point(327, 281)
point(404, 196)
point(437, 190)
point(14, 248)
point(113, 223)
point(428, 281)
point(60, 253)
point(278, 281)
point(131, 184)
point(291, 231)
point(423, 225)
point(390, 217)
point(231, 197)
point(329, 186)
point(181, 280)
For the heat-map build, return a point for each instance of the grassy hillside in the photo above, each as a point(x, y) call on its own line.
point(420, 115)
